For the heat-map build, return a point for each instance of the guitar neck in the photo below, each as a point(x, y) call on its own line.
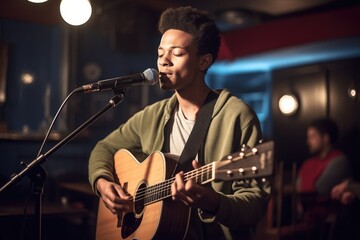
point(248, 163)
point(201, 175)
point(162, 190)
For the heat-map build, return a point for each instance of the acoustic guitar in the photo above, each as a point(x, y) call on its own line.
point(155, 215)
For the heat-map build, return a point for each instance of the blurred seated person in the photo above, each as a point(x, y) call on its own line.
point(346, 191)
point(317, 176)
point(328, 166)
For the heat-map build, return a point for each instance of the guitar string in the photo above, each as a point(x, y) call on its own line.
point(161, 188)
point(190, 173)
point(195, 171)
point(158, 194)
point(153, 190)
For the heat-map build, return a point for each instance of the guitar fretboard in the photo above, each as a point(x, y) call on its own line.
point(160, 191)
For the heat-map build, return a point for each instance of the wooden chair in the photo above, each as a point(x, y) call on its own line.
point(271, 227)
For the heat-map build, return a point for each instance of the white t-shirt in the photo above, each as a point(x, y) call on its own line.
point(180, 131)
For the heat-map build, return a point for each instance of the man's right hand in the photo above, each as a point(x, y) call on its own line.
point(114, 196)
point(342, 193)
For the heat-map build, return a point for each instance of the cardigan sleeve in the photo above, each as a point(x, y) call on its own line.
point(246, 203)
point(101, 162)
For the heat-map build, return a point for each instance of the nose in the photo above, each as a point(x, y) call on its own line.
point(164, 61)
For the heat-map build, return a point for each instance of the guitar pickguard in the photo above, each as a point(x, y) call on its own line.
point(130, 224)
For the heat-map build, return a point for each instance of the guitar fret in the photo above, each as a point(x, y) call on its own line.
point(162, 190)
point(148, 194)
point(160, 193)
point(201, 174)
point(155, 193)
point(152, 193)
point(207, 174)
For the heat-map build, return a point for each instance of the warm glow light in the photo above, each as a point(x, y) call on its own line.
point(288, 104)
point(37, 1)
point(75, 12)
point(352, 93)
point(27, 78)
point(2, 97)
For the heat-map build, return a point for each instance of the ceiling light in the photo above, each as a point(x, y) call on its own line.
point(37, 1)
point(75, 12)
point(288, 104)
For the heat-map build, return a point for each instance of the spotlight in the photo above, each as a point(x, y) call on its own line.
point(75, 12)
point(288, 104)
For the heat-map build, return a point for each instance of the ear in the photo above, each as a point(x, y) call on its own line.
point(205, 61)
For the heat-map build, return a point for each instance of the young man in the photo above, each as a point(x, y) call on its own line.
point(328, 166)
point(189, 45)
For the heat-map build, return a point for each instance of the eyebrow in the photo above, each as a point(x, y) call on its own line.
point(172, 47)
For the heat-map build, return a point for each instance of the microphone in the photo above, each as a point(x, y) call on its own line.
point(150, 77)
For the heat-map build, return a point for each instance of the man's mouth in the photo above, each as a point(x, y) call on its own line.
point(165, 74)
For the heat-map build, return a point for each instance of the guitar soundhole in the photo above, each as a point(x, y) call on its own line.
point(139, 199)
point(132, 221)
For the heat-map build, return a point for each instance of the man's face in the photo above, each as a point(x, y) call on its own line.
point(178, 61)
point(315, 140)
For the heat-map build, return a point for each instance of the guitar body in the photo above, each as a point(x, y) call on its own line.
point(165, 219)
point(155, 215)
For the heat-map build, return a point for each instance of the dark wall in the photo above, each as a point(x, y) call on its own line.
point(36, 48)
point(322, 93)
point(345, 111)
point(95, 46)
point(252, 87)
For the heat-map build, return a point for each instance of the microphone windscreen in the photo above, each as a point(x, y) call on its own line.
point(151, 76)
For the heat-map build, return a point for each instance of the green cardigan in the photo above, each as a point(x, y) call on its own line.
point(242, 204)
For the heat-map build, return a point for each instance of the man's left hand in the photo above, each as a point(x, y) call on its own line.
point(193, 194)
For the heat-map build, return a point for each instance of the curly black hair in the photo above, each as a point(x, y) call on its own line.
point(196, 23)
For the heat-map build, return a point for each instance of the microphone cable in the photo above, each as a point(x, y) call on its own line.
point(53, 122)
point(24, 221)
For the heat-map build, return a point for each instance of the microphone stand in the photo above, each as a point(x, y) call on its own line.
point(36, 172)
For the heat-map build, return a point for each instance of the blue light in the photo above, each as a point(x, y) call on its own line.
point(249, 77)
point(294, 56)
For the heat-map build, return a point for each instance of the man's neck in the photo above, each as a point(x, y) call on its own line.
point(192, 98)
